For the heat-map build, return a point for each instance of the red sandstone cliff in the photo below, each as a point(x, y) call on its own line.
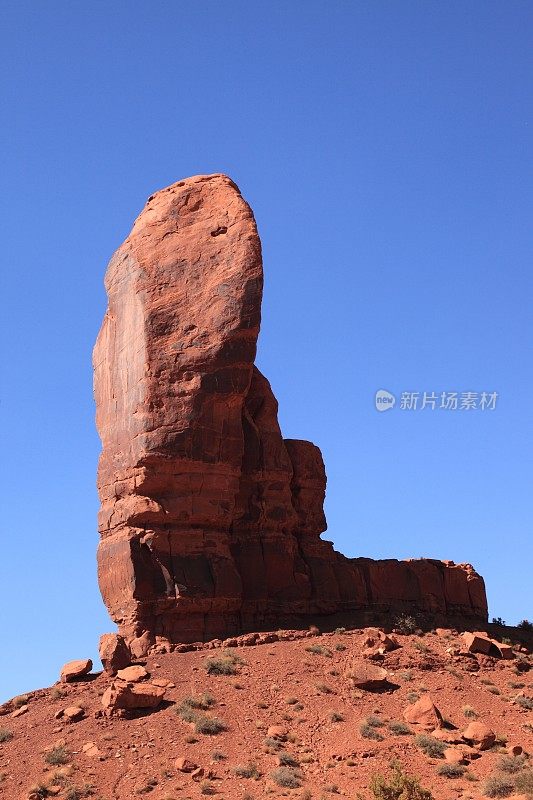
point(210, 521)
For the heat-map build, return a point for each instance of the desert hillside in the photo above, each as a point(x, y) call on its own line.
point(289, 714)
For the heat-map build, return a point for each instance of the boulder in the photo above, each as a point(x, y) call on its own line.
point(114, 653)
point(376, 643)
point(73, 713)
point(183, 764)
point(75, 669)
point(453, 755)
point(476, 642)
point(368, 676)
point(127, 696)
point(479, 735)
point(132, 674)
point(424, 713)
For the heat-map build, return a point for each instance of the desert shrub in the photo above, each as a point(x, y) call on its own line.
point(512, 764)
point(334, 716)
point(486, 682)
point(340, 630)
point(421, 646)
point(493, 690)
point(524, 782)
point(451, 770)
point(406, 675)
point(288, 777)
point(21, 700)
point(209, 726)
point(248, 770)
point(191, 703)
point(516, 684)
point(5, 735)
point(324, 688)
point(405, 623)
point(368, 731)
point(398, 787)
point(332, 788)
point(206, 787)
point(498, 621)
point(340, 647)
point(226, 664)
point(469, 712)
point(286, 760)
point(525, 625)
point(399, 728)
point(498, 786)
point(272, 744)
point(524, 702)
point(430, 746)
point(291, 701)
point(57, 756)
point(318, 650)
point(76, 793)
point(412, 697)
point(218, 755)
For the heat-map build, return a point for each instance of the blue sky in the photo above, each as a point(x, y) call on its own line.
point(386, 151)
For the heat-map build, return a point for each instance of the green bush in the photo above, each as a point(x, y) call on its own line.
point(226, 664)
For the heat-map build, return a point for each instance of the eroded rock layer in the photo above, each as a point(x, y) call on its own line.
point(210, 521)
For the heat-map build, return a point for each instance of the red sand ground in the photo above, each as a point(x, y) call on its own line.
point(280, 683)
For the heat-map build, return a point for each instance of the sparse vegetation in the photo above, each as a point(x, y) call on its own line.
point(272, 745)
point(524, 702)
point(291, 701)
point(334, 716)
point(21, 700)
point(412, 697)
point(286, 760)
point(469, 712)
point(209, 726)
point(512, 764)
point(399, 728)
point(451, 770)
point(226, 664)
point(76, 793)
point(288, 777)
point(324, 688)
point(248, 770)
point(406, 675)
point(57, 756)
point(498, 621)
point(340, 647)
point(524, 782)
point(493, 690)
point(343, 630)
point(218, 755)
point(398, 787)
point(206, 787)
point(421, 646)
point(498, 786)
point(369, 728)
point(430, 746)
point(318, 650)
point(406, 624)
point(5, 735)
point(525, 625)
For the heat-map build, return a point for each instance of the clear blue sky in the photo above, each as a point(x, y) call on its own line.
point(386, 148)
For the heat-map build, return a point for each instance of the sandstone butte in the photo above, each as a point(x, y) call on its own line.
point(210, 521)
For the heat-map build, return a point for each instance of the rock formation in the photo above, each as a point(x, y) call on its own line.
point(210, 521)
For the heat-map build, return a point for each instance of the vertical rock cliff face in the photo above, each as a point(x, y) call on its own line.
point(210, 521)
